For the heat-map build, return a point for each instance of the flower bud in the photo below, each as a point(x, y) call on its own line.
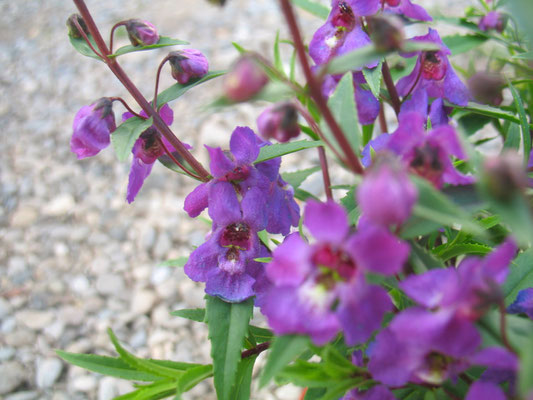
point(386, 32)
point(92, 128)
point(493, 20)
point(386, 195)
point(73, 30)
point(187, 64)
point(486, 88)
point(279, 121)
point(244, 80)
point(141, 33)
point(504, 176)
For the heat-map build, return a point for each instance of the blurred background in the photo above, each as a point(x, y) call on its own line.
point(75, 258)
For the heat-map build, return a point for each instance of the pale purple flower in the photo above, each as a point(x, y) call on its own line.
point(401, 7)
point(92, 128)
point(245, 79)
point(485, 391)
point(188, 64)
point(279, 121)
point(141, 33)
point(493, 20)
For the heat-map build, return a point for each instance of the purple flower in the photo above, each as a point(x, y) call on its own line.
point(279, 121)
point(245, 79)
point(402, 7)
point(225, 262)
point(523, 303)
point(236, 170)
point(485, 391)
point(92, 128)
point(434, 73)
point(341, 33)
point(146, 150)
point(141, 33)
point(428, 155)
point(419, 102)
point(320, 289)
point(493, 20)
point(187, 64)
point(386, 196)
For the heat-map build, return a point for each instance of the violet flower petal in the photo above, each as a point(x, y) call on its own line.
point(327, 222)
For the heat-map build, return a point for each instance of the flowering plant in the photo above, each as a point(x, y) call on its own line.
point(411, 278)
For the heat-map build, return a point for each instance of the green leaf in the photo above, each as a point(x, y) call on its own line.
point(263, 259)
point(520, 276)
point(155, 391)
point(193, 376)
point(421, 259)
point(124, 137)
point(525, 383)
point(281, 149)
point(104, 365)
point(373, 78)
point(515, 213)
point(353, 60)
point(303, 195)
point(317, 9)
point(142, 364)
point(342, 105)
point(459, 44)
point(446, 252)
point(488, 111)
point(177, 90)
point(228, 324)
point(194, 314)
point(175, 262)
point(278, 63)
point(525, 56)
point(243, 381)
point(296, 178)
point(338, 390)
point(526, 135)
point(368, 131)
point(512, 141)
point(284, 350)
point(164, 41)
point(261, 335)
point(83, 48)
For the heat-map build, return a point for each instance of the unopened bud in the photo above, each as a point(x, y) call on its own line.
point(245, 79)
point(141, 33)
point(73, 30)
point(280, 122)
point(486, 88)
point(505, 175)
point(386, 32)
point(493, 20)
point(187, 64)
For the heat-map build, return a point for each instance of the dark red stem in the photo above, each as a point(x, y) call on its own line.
point(255, 350)
point(112, 34)
point(137, 95)
point(503, 328)
point(414, 85)
point(383, 120)
point(325, 172)
point(387, 78)
point(157, 76)
point(120, 99)
point(174, 159)
point(82, 33)
point(315, 90)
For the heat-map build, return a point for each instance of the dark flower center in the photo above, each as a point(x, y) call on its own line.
point(239, 173)
point(393, 3)
point(151, 147)
point(433, 66)
point(236, 235)
point(344, 16)
point(436, 366)
point(336, 265)
point(426, 163)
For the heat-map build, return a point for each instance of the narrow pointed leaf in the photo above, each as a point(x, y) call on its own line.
point(281, 149)
point(194, 314)
point(83, 48)
point(124, 137)
point(313, 7)
point(194, 376)
point(177, 90)
point(526, 135)
point(520, 276)
point(164, 41)
point(373, 78)
point(296, 178)
point(242, 388)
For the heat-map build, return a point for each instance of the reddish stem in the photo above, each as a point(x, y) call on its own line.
point(387, 78)
point(503, 328)
point(112, 34)
point(304, 392)
point(315, 90)
point(126, 106)
point(325, 172)
point(255, 350)
point(82, 33)
point(383, 120)
point(113, 65)
point(174, 159)
point(157, 76)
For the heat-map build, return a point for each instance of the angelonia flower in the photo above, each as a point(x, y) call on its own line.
point(523, 303)
point(437, 339)
point(419, 102)
point(73, 30)
point(486, 88)
point(146, 150)
point(279, 121)
point(141, 33)
point(245, 79)
point(187, 64)
point(92, 128)
point(236, 170)
point(493, 20)
point(434, 73)
point(401, 7)
point(320, 289)
point(481, 390)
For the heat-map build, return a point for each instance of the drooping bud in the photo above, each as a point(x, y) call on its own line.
point(504, 175)
point(245, 79)
point(92, 128)
point(486, 88)
point(73, 30)
point(141, 33)
point(386, 195)
point(279, 121)
point(386, 32)
point(187, 64)
point(493, 20)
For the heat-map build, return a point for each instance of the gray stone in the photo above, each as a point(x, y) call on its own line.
point(12, 375)
point(142, 301)
point(108, 284)
point(84, 383)
point(35, 319)
point(48, 372)
point(6, 353)
point(107, 388)
point(26, 395)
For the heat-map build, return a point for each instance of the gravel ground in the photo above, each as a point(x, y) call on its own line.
point(75, 258)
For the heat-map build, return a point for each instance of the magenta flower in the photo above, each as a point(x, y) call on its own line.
point(434, 73)
point(187, 64)
point(141, 33)
point(225, 262)
point(401, 7)
point(485, 390)
point(245, 79)
point(92, 128)
point(386, 196)
point(279, 121)
point(493, 20)
point(320, 289)
point(437, 112)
